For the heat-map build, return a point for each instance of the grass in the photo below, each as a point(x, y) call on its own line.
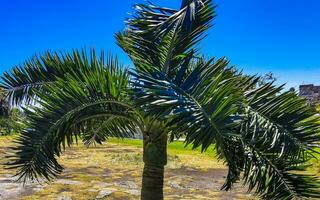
point(185, 153)
point(121, 160)
point(315, 163)
point(178, 150)
point(177, 147)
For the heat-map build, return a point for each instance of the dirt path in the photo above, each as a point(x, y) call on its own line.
point(114, 172)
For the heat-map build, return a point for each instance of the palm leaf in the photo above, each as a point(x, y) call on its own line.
point(69, 111)
point(22, 81)
point(199, 107)
point(279, 132)
point(162, 37)
point(257, 130)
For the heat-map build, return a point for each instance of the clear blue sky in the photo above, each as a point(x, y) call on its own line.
point(259, 36)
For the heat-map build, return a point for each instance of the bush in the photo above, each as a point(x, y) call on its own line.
point(13, 123)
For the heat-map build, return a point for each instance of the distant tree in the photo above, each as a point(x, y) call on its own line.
point(292, 89)
point(318, 107)
point(267, 78)
point(4, 105)
point(12, 123)
point(11, 119)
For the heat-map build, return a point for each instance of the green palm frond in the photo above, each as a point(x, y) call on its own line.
point(279, 132)
point(263, 134)
point(98, 131)
point(200, 107)
point(162, 37)
point(21, 82)
point(70, 111)
point(286, 113)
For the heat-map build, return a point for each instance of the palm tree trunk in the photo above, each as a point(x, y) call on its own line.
point(155, 158)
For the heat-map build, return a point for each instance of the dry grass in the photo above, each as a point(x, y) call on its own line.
point(117, 166)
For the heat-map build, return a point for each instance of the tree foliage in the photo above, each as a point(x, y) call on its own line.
point(12, 123)
point(318, 108)
point(4, 104)
point(11, 119)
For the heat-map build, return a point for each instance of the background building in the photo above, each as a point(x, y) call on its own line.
point(310, 92)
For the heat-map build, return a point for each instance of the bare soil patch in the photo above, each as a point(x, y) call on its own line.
point(113, 171)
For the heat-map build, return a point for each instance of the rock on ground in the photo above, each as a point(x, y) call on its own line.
point(104, 193)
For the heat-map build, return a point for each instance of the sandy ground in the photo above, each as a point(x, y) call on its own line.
point(113, 171)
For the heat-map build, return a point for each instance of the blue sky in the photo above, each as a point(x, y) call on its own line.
point(258, 36)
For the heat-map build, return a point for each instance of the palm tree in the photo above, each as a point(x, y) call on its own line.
point(264, 135)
